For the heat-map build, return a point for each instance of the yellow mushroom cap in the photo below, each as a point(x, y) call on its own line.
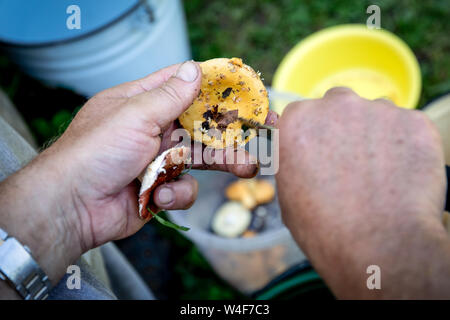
point(229, 89)
point(251, 192)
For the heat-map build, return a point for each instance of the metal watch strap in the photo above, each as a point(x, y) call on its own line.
point(20, 270)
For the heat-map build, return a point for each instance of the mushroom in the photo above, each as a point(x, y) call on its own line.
point(213, 116)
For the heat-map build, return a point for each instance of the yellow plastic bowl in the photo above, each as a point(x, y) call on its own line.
point(374, 63)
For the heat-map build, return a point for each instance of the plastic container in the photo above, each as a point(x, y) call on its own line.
point(374, 63)
point(248, 264)
point(118, 41)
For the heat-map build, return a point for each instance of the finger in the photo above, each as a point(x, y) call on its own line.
point(339, 91)
point(162, 105)
point(133, 88)
point(236, 161)
point(176, 195)
point(246, 166)
point(272, 118)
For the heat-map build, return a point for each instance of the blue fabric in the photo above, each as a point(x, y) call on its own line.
point(90, 288)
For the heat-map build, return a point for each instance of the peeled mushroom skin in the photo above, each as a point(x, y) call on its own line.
point(264, 191)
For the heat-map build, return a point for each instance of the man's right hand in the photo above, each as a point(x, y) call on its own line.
point(362, 183)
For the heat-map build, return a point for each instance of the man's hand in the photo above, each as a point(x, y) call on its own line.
point(362, 183)
point(81, 192)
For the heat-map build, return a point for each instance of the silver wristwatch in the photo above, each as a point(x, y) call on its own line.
point(20, 270)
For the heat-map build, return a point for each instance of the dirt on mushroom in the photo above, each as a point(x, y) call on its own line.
point(229, 90)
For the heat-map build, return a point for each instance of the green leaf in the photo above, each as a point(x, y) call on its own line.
point(167, 223)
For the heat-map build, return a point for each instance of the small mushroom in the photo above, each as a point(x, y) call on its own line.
point(231, 220)
point(249, 234)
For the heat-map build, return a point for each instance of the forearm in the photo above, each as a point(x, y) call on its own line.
point(33, 210)
point(413, 257)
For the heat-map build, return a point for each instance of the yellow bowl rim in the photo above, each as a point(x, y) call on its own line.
point(315, 38)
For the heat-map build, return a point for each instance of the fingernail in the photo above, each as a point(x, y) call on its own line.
point(165, 196)
point(187, 71)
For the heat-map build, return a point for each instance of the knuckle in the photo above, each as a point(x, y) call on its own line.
point(188, 189)
point(168, 91)
point(426, 134)
point(288, 116)
point(190, 204)
point(191, 191)
point(383, 111)
point(421, 121)
point(291, 108)
point(341, 93)
point(348, 99)
point(189, 197)
point(384, 102)
point(100, 95)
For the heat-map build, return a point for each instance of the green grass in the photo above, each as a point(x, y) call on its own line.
point(261, 32)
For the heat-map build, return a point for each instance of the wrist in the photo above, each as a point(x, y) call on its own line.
point(412, 256)
point(36, 209)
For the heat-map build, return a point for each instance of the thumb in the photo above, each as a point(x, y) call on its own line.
point(164, 104)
